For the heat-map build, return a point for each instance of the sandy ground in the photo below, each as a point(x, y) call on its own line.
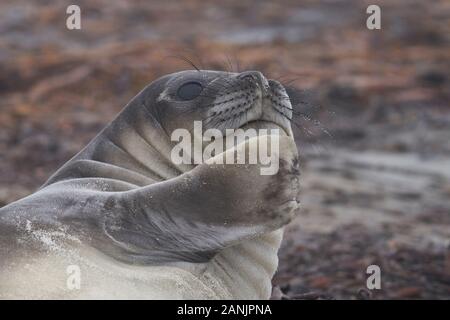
point(373, 123)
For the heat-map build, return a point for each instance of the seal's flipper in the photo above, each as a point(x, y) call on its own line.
point(193, 216)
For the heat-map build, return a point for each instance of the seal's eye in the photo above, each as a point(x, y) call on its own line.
point(190, 90)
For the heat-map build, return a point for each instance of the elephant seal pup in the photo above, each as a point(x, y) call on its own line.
point(121, 220)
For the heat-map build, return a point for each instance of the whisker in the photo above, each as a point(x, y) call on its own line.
point(185, 59)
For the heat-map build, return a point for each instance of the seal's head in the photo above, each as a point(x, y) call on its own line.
point(221, 100)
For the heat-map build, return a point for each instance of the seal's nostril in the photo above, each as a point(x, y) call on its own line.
point(258, 78)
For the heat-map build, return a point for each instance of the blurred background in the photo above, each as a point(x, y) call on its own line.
point(373, 126)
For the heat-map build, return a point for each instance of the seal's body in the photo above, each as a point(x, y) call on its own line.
point(122, 220)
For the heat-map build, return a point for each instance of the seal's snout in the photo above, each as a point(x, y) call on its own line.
point(234, 100)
